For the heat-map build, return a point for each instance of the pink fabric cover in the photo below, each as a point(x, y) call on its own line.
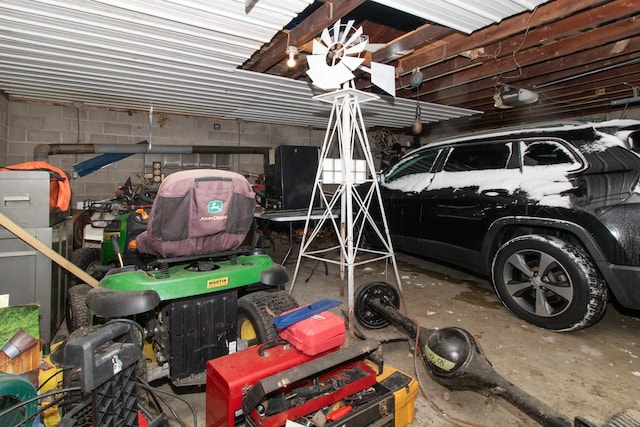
point(198, 212)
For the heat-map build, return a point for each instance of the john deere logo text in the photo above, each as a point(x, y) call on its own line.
point(215, 206)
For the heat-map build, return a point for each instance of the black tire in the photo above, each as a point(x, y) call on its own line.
point(87, 259)
point(256, 312)
point(382, 291)
point(626, 418)
point(77, 312)
point(569, 294)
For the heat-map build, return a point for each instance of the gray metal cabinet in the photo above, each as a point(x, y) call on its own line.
point(27, 275)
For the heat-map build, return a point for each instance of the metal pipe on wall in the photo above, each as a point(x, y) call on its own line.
point(43, 151)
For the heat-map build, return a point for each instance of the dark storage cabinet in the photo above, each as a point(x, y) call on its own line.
point(289, 176)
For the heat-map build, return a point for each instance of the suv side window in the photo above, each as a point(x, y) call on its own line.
point(421, 163)
point(478, 157)
point(546, 153)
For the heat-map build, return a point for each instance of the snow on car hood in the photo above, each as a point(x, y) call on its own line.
point(542, 184)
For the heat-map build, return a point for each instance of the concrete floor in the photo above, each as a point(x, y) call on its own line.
point(593, 373)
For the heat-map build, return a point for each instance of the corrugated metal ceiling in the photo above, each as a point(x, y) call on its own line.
point(180, 56)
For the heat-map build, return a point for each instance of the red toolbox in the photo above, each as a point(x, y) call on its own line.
point(228, 376)
point(332, 386)
point(316, 334)
point(309, 387)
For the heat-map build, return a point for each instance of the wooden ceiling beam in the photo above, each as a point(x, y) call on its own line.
point(560, 68)
point(479, 94)
point(583, 42)
point(399, 47)
point(607, 87)
point(547, 14)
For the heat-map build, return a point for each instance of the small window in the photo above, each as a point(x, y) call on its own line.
point(478, 157)
point(410, 165)
point(545, 153)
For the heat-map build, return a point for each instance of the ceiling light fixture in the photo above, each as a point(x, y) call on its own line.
point(292, 51)
point(627, 101)
point(508, 96)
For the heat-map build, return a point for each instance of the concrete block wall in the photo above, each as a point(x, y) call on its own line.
point(27, 125)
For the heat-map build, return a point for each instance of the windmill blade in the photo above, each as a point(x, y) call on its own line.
point(356, 49)
point(347, 28)
point(384, 76)
point(319, 48)
point(326, 37)
point(336, 32)
point(352, 62)
point(354, 37)
point(325, 76)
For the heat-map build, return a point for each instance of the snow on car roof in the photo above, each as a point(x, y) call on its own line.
point(545, 184)
point(538, 127)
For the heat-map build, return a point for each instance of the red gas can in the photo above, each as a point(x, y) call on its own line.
point(228, 376)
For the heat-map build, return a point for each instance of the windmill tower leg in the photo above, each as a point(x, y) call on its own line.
point(354, 166)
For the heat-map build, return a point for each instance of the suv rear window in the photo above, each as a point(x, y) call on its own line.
point(545, 153)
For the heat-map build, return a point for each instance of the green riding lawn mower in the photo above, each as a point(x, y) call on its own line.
point(181, 272)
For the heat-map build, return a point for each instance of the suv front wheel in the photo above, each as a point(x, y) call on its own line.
point(549, 282)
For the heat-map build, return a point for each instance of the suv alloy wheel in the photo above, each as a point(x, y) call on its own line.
point(549, 282)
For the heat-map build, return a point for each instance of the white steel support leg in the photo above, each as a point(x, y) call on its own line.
point(346, 136)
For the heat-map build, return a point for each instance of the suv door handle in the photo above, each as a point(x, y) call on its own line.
point(494, 192)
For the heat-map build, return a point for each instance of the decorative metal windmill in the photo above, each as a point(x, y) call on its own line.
point(345, 159)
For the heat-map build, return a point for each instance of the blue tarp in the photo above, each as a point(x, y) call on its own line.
point(98, 162)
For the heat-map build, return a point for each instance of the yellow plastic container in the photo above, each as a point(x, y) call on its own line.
point(405, 390)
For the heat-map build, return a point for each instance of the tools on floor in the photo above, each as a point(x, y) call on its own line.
point(319, 391)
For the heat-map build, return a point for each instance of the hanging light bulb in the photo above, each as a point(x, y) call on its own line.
point(292, 51)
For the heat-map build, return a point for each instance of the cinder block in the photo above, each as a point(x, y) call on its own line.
point(17, 134)
point(117, 128)
point(103, 115)
point(98, 138)
point(19, 121)
point(16, 148)
point(221, 138)
point(58, 124)
point(44, 110)
point(43, 136)
point(88, 126)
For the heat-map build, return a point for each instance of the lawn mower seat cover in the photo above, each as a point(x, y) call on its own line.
point(198, 212)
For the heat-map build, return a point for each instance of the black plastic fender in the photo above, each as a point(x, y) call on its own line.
point(275, 276)
point(110, 304)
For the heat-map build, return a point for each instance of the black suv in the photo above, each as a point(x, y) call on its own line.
point(551, 213)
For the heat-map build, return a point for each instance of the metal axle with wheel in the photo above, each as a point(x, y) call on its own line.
point(455, 359)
